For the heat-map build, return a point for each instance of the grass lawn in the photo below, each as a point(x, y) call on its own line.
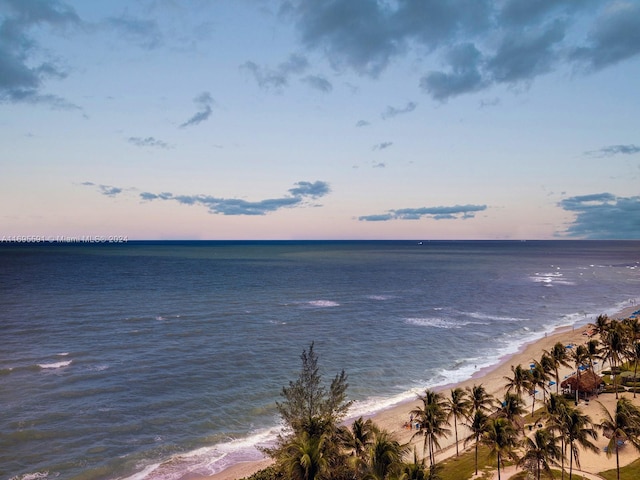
point(630, 472)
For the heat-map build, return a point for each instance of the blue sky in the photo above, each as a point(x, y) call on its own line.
point(336, 119)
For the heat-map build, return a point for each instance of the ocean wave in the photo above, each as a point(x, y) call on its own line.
point(55, 364)
point(35, 476)
point(486, 316)
point(207, 461)
point(322, 303)
point(379, 297)
point(434, 322)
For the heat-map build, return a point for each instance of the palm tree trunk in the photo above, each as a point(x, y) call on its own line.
point(570, 461)
point(455, 427)
point(498, 466)
point(476, 456)
point(617, 461)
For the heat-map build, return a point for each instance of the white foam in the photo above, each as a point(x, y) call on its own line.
point(34, 476)
point(434, 322)
point(379, 297)
point(55, 365)
point(323, 303)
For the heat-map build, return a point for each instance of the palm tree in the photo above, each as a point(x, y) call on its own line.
point(614, 346)
point(458, 407)
point(303, 457)
point(538, 378)
point(478, 425)
point(479, 398)
point(511, 408)
point(579, 357)
point(556, 409)
point(578, 431)
point(501, 438)
point(383, 457)
point(601, 325)
point(432, 417)
point(359, 437)
point(560, 358)
point(541, 452)
point(415, 470)
point(520, 381)
point(623, 426)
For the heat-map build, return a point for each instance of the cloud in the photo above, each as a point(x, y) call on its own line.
point(318, 82)
point(108, 190)
point(603, 216)
point(298, 196)
point(148, 142)
point(613, 38)
point(24, 66)
point(464, 75)
point(391, 112)
point(362, 123)
point(278, 78)
point(611, 150)
point(456, 212)
point(480, 42)
point(143, 32)
point(204, 101)
point(382, 146)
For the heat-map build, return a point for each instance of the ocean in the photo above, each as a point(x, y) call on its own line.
point(155, 360)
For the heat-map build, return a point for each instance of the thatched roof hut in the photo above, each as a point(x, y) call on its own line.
point(586, 382)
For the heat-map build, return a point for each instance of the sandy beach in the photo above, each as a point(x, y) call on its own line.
point(493, 379)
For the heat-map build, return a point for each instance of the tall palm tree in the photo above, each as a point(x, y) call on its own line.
point(623, 426)
point(556, 409)
point(601, 325)
point(560, 358)
point(458, 407)
point(478, 424)
point(538, 379)
point(520, 381)
point(577, 429)
point(501, 438)
point(479, 398)
point(614, 346)
point(432, 418)
point(541, 452)
point(303, 457)
point(580, 358)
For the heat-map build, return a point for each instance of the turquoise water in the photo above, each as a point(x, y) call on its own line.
point(153, 359)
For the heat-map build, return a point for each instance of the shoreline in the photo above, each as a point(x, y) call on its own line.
point(393, 418)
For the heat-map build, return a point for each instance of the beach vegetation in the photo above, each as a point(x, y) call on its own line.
point(559, 358)
point(432, 421)
point(502, 439)
point(541, 451)
point(478, 425)
point(620, 428)
point(458, 406)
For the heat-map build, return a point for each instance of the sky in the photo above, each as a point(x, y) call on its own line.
point(320, 119)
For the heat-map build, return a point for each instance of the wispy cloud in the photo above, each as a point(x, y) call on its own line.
point(456, 212)
point(278, 78)
point(299, 196)
point(603, 216)
point(382, 146)
point(145, 33)
point(148, 142)
point(391, 112)
point(318, 82)
point(107, 190)
point(611, 150)
point(362, 123)
point(204, 101)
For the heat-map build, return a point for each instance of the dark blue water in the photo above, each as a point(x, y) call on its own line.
point(153, 359)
